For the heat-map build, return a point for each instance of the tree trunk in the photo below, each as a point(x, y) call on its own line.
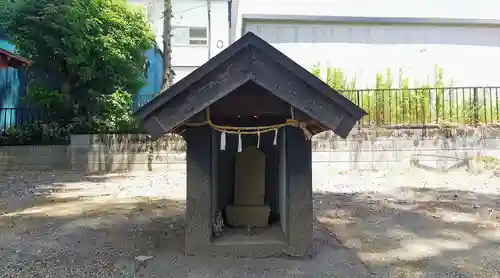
point(167, 50)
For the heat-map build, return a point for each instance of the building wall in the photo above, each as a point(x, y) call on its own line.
point(154, 78)
point(415, 50)
point(468, 54)
point(479, 9)
point(190, 31)
point(12, 88)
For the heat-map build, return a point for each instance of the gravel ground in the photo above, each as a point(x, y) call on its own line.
point(62, 224)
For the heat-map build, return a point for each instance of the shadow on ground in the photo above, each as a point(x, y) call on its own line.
point(98, 238)
point(90, 226)
point(431, 232)
point(62, 226)
point(95, 226)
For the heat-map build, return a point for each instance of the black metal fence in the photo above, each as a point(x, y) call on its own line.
point(427, 106)
point(12, 117)
point(385, 107)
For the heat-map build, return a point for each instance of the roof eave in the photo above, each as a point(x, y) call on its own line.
point(309, 78)
point(23, 61)
point(186, 82)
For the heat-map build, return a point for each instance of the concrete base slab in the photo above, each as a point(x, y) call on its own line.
point(329, 262)
point(258, 236)
point(263, 242)
point(259, 250)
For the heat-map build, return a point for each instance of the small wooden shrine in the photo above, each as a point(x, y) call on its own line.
point(248, 116)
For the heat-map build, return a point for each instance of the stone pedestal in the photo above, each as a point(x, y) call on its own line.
point(248, 216)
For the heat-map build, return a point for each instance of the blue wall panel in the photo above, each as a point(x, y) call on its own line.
point(11, 89)
point(154, 78)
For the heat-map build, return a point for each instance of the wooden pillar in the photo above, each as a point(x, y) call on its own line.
point(299, 182)
point(199, 190)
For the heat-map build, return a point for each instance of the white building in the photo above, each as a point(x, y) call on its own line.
point(362, 37)
point(190, 46)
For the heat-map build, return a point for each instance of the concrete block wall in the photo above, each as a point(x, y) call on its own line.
point(111, 153)
point(34, 157)
point(439, 149)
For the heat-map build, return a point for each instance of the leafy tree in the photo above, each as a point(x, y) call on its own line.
point(90, 47)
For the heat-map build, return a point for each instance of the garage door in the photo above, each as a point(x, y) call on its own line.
point(469, 56)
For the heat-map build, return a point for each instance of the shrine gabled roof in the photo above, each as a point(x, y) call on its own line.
point(249, 59)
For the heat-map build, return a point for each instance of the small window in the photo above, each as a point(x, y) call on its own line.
point(195, 33)
point(189, 36)
point(146, 69)
point(180, 36)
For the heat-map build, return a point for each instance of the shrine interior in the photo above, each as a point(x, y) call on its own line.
point(250, 186)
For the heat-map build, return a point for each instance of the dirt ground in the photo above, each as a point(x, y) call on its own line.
point(415, 223)
point(390, 224)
